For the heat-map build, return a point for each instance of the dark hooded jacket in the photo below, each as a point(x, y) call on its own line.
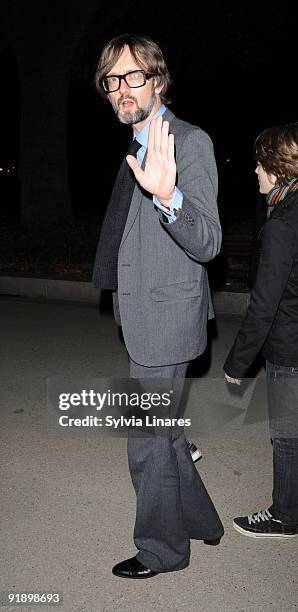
point(271, 322)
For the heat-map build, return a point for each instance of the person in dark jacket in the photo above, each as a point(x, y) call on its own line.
point(271, 327)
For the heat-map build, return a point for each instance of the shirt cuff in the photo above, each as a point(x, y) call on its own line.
point(174, 205)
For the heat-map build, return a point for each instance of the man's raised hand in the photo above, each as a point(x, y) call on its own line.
point(159, 175)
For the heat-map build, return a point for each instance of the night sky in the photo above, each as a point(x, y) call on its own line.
point(234, 69)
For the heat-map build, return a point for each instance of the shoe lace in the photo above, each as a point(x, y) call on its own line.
point(263, 515)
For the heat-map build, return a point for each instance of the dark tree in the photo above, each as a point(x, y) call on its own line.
point(44, 36)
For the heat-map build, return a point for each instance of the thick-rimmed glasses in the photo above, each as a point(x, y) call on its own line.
point(134, 78)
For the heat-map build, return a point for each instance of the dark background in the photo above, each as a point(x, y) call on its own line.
point(234, 70)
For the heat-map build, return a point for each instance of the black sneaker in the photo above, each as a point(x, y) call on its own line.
point(194, 451)
point(263, 525)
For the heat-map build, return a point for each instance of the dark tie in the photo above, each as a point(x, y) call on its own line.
point(106, 259)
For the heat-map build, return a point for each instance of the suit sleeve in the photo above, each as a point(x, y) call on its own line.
point(276, 260)
point(197, 227)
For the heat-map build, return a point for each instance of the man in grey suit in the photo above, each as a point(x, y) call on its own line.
point(160, 228)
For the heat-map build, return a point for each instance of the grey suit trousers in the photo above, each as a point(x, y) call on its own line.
point(173, 505)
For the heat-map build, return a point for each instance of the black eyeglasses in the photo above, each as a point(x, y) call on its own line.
point(134, 78)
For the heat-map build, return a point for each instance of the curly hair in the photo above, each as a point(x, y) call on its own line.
point(276, 149)
point(146, 53)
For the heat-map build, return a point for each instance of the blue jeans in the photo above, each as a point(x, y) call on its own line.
point(282, 393)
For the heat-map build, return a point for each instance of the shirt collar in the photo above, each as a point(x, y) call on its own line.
point(142, 136)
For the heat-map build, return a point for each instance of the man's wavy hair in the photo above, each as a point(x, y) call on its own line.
point(276, 149)
point(146, 54)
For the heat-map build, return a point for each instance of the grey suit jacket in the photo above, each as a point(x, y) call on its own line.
point(163, 299)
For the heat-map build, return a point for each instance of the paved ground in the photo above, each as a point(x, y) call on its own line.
point(67, 504)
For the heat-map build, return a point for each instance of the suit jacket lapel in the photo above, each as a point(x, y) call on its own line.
point(137, 193)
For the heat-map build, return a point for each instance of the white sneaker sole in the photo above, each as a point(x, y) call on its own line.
point(251, 534)
point(196, 455)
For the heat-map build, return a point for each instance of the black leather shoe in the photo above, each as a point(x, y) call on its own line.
point(132, 568)
point(212, 542)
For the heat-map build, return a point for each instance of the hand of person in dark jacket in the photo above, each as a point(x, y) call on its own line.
point(234, 381)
